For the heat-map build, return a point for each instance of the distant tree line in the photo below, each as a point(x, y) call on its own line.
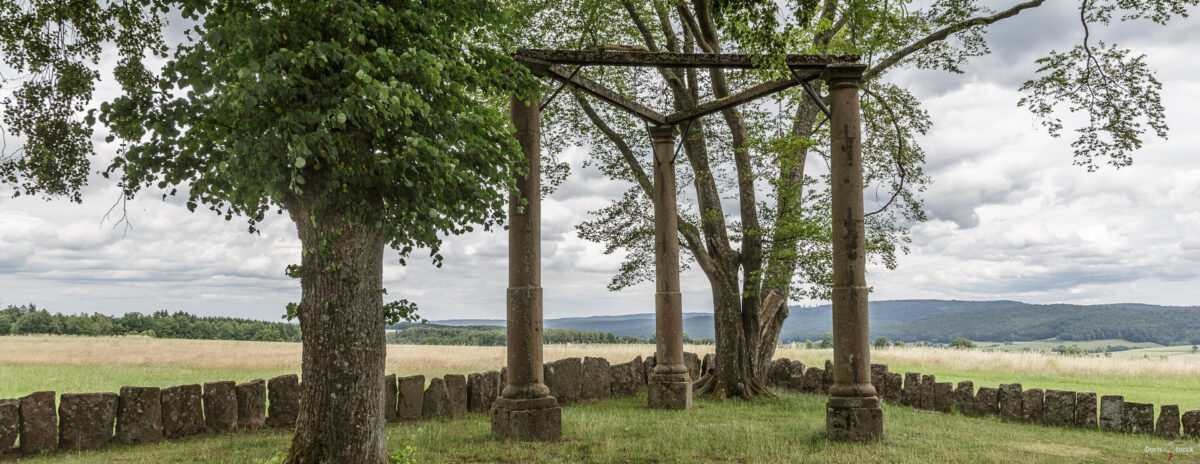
point(1062, 322)
point(29, 320)
point(416, 334)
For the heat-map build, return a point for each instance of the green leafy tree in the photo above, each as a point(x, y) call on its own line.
point(962, 343)
point(826, 340)
point(372, 124)
point(881, 342)
point(33, 322)
point(776, 237)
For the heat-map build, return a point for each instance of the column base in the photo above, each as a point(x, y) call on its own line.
point(527, 420)
point(854, 419)
point(670, 391)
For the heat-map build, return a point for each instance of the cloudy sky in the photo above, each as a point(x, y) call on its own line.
point(1009, 217)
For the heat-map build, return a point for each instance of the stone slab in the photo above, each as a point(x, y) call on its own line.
point(1085, 410)
point(1033, 403)
point(597, 379)
point(436, 400)
point(942, 393)
point(1191, 424)
point(912, 390)
point(412, 394)
point(139, 415)
point(1138, 417)
point(85, 420)
point(456, 394)
point(1167, 425)
point(814, 378)
point(879, 379)
point(692, 362)
point(390, 396)
point(220, 406)
point(564, 377)
point(1111, 412)
point(964, 398)
point(927, 382)
point(10, 425)
point(987, 401)
point(39, 423)
point(1060, 407)
point(283, 396)
point(252, 404)
point(895, 387)
point(1011, 402)
point(625, 377)
point(182, 411)
point(779, 374)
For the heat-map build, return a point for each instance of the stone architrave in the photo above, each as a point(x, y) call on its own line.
point(879, 379)
point(814, 378)
point(1033, 402)
point(987, 401)
point(412, 394)
point(252, 404)
point(139, 415)
point(597, 379)
point(780, 372)
point(1137, 417)
point(10, 425)
point(220, 406)
point(283, 396)
point(895, 387)
point(436, 399)
point(39, 423)
point(1060, 407)
point(182, 411)
point(1191, 424)
point(456, 394)
point(1111, 415)
point(1011, 402)
point(1085, 410)
point(564, 378)
point(1167, 425)
point(964, 398)
point(390, 394)
point(85, 421)
point(692, 361)
point(912, 390)
point(942, 391)
point(927, 382)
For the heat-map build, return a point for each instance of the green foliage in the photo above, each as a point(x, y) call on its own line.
point(1070, 350)
point(881, 342)
point(31, 320)
point(826, 340)
point(961, 343)
point(417, 334)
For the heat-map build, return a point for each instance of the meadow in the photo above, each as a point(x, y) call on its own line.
point(787, 429)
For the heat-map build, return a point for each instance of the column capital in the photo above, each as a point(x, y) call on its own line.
point(843, 74)
point(660, 133)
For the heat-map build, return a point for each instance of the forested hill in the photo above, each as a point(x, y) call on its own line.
point(1136, 323)
point(29, 320)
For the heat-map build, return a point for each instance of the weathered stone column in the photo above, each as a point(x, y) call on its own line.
point(670, 384)
point(853, 411)
point(525, 409)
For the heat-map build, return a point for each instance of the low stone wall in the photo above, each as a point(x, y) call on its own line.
point(1010, 401)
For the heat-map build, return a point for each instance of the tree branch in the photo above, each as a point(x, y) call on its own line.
point(943, 33)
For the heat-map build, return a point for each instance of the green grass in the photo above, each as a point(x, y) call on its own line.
point(787, 429)
point(1180, 351)
point(23, 379)
point(1049, 344)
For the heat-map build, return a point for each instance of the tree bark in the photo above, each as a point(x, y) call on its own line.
point(344, 347)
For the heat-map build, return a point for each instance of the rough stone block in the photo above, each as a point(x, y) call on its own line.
point(964, 398)
point(564, 377)
point(252, 404)
point(182, 411)
point(1060, 407)
point(779, 374)
point(942, 391)
point(1137, 417)
point(797, 371)
point(879, 379)
point(669, 394)
point(927, 382)
point(1085, 410)
point(139, 415)
point(283, 395)
point(827, 377)
point(1111, 407)
point(597, 378)
point(481, 391)
point(639, 369)
point(912, 390)
point(10, 425)
point(854, 424)
point(814, 378)
point(436, 400)
point(529, 420)
point(625, 378)
point(1167, 425)
point(1191, 424)
point(390, 394)
point(412, 394)
point(647, 368)
point(895, 387)
point(220, 406)
point(456, 394)
point(692, 361)
point(39, 423)
point(987, 401)
point(1011, 402)
point(1033, 402)
point(85, 421)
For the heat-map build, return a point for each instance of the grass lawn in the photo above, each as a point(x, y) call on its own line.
point(788, 429)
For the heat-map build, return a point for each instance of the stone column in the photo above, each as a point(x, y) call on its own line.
point(853, 411)
point(525, 410)
point(670, 384)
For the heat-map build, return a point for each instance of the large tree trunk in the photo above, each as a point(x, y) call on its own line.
point(341, 318)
